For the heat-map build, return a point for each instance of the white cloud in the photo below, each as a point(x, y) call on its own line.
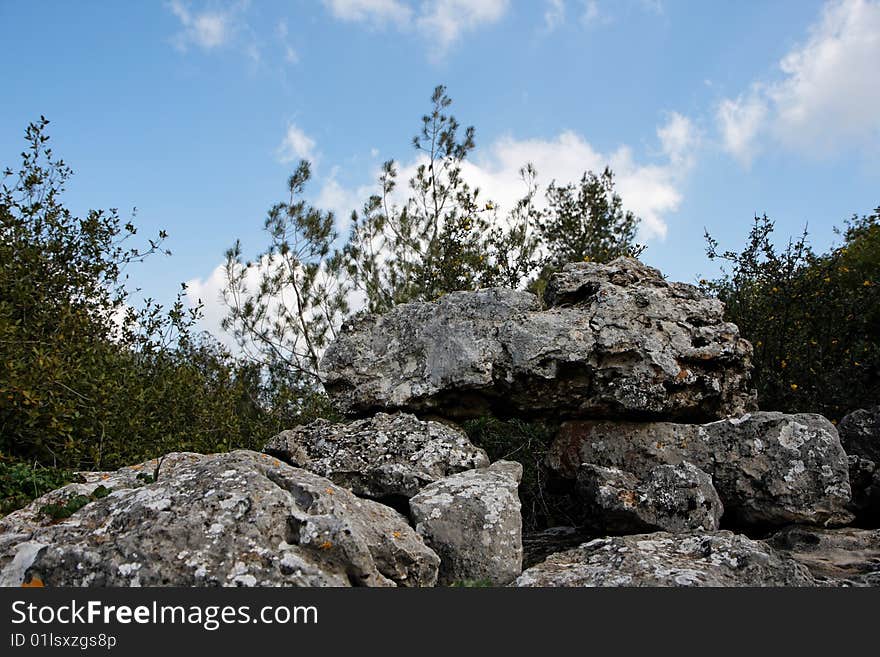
point(447, 20)
point(740, 121)
point(554, 14)
point(679, 140)
point(291, 56)
point(649, 190)
point(207, 29)
point(591, 14)
point(828, 94)
point(440, 22)
point(296, 145)
point(372, 11)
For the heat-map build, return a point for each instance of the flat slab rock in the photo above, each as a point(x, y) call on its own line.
point(385, 455)
point(617, 341)
point(768, 468)
point(235, 519)
point(847, 556)
point(472, 520)
point(663, 559)
point(674, 498)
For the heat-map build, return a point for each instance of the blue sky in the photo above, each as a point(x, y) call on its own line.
point(195, 112)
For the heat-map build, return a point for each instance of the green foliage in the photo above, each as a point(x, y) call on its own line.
point(22, 482)
point(287, 320)
point(88, 381)
point(814, 319)
point(526, 442)
point(73, 503)
point(585, 222)
point(443, 237)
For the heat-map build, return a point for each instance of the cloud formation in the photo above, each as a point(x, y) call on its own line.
point(827, 96)
point(441, 22)
point(207, 29)
point(296, 145)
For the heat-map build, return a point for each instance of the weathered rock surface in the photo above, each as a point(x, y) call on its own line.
point(864, 478)
point(539, 545)
point(673, 498)
point(235, 519)
point(839, 557)
point(472, 521)
point(860, 433)
point(385, 455)
point(617, 341)
point(664, 559)
point(768, 468)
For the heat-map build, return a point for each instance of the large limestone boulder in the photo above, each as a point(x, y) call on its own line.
point(617, 341)
point(674, 498)
point(379, 457)
point(663, 559)
point(236, 519)
point(768, 468)
point(472, 521)
point(860, 433)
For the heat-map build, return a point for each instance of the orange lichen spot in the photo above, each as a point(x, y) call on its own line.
point(33, 583)
point(326, 545)
point(105, 477)
point(628, 497)
point(396, 534)
point(137, 467)
point(683, 374)
point(329, 491)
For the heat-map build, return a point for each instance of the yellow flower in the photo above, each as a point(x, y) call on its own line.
point(794, 386)
point(867, 283)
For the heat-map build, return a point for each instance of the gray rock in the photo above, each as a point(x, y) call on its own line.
point(673, 498)
point(236, 519)
point(663, 559)
point(472, 520)
point(837, 557)
point(864, 478)
point(617, 341)
point(385, 455)
point(860, 433)
point(539, 545)
point(768, 468)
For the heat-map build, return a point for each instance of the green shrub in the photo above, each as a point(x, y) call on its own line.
point(22, 482)
point(544, 504)
point(813, 319)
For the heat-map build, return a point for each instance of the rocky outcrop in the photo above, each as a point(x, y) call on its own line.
point(860, 433)
point(385, 455)
point(236, 519)
point(768, 468)
point(674, 498)
point(472, 521)
point(618, 341)
point(838, 557)
point(663, 559)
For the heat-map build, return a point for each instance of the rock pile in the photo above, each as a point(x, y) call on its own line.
point(659, 442)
